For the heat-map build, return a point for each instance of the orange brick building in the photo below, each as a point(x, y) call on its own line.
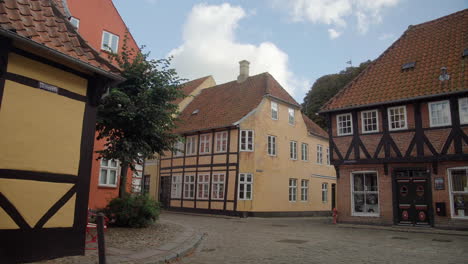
point(103, 27)
point(399, 131)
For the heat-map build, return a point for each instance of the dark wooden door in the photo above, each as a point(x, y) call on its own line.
point(412, 191)
point(165, 191)
point(333, 196)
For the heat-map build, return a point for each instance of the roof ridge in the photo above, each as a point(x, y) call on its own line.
point(410, 27)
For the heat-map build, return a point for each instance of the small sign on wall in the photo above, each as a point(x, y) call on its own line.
point(439, 183)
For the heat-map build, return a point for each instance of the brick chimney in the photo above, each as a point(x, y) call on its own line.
point(244, 71)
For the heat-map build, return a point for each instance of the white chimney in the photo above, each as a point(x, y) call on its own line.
point(244, 71)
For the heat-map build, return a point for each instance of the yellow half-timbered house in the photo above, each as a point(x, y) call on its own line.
point(248, 150)
point(50, 84)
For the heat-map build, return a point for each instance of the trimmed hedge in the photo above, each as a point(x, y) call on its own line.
point(135, 211)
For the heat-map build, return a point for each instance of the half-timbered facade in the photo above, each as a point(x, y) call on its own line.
point(50, 85)
point(247, 150)
point(398, 132)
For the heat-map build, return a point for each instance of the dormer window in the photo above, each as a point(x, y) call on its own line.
point(75, 22)
point(344, 124)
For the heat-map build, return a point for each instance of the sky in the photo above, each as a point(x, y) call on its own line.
point(297, 41)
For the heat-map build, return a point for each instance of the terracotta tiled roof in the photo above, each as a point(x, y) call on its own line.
point(223, 105)
point(41, 21)
point(188, 87)
point(314, 128)
point(431, 45)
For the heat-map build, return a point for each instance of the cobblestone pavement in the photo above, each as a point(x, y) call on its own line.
point(313, 240)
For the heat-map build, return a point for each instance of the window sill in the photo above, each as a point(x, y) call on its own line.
point(101, 186)
point(460, 217)
point(365, 215)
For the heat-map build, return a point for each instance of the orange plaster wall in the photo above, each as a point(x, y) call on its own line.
point(97, 16)
point(99, 196)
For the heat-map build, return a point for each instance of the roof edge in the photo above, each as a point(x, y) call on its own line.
point(404, 100)
point(61, 55)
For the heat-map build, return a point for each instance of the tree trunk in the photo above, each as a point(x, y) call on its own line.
point(123, 180)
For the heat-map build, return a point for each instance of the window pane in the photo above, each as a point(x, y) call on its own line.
point(113, 163)
point(104, 162)
point(372, 203)
point(103, 178)
point(358, 182)
point(459, 181)
point(460, 203)
point(115, 43)
point(113, 177)
point(371, 182)
point(359, 202)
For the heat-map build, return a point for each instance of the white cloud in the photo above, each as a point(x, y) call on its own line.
point(210, 48)
point(333, 33)
point(387, 36)
point(337, 12)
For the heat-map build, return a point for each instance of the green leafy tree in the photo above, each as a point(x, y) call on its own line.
point(325, 88)
point(136, 117)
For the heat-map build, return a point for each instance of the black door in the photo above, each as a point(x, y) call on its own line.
point(165, 191)
point(412, 191)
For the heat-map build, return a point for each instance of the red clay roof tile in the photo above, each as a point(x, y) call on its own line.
point(42, 22)
point(432, 45)
point(223, 105)
point(189, 87)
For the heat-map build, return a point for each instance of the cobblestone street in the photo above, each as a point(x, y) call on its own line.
point(313, 240)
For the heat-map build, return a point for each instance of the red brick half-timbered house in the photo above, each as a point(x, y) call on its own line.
point(398, 132)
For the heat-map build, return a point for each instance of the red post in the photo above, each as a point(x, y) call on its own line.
point(335, 215)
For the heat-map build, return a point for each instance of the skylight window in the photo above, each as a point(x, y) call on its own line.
point(409, 65)
point(465, 53)
point(196, 111)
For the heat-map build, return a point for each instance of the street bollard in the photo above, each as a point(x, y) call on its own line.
point(335, 215)
point(100, 233)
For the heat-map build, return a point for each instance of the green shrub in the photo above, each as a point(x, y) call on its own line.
point(132, 211)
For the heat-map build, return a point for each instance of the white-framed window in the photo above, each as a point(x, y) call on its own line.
point(364, 193)
point(439, 113)
point(176, 191)
point(397, 118)
point(291, 113)
point(217, 188)
point(304, 151)
point(328, 156)
point(319, 154)
point(247, 140)
point(108, 173)
point(463, 110)
point(205, 142)
point(292, 190)
point(221, 140)
point(293, 150)
point(304, 190)
point(75, 22)
point(203, 188)
point(179, 149)
point(324, 192)
point(245, 186)
point(458, 181)
point(271, 146)
point(344, 124)
point(110, 42)
point(189, 186)
point(370, 121)
point(191, 145)
point(274, 110)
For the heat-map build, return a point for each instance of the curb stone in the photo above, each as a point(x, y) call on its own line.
point(421, 230)
point(180, 252)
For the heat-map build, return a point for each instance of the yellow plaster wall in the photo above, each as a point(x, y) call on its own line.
point(6, 222)
point(271, 174)
point(41, 131)
point(45, 73)
point(152, 169)
point(64, 217)
point(29, 198)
